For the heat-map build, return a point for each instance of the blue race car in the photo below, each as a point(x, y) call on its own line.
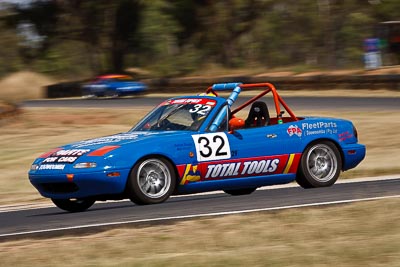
point(200, 143)
point(113, 85)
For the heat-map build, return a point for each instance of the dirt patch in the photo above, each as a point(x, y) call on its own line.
point(384, 70)
point(23, 85)
point(8, 110)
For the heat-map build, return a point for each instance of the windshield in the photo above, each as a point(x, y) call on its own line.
point(186, 114)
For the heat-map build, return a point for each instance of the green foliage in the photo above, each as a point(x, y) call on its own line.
point(175, 37)
point(9, 55)
point(158, 37)
point(64, 60)
point(387, 10)
point(356, 27)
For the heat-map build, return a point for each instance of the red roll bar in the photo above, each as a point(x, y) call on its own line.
point(270, 88)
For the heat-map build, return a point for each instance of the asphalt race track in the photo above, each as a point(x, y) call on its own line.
point(323, 103)
point(51, 221)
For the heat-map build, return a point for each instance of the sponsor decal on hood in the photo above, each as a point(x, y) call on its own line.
point(65, 156)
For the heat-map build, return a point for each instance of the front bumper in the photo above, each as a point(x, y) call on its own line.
point(82, 185)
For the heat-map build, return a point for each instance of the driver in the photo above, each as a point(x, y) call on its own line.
point(197, 120)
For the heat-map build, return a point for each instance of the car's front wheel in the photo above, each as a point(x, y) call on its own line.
point(73, 205)
point(151, 181)
point(320, 165)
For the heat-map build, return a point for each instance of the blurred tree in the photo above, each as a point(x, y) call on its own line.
point(35, 24)
point(185, 13)
point(173, 37)
point(386, 9)
point(158, 36)
point(222, 24)
point(356, 26)
point(9, 55)
point(124, 36)
point(90, 22)
point(346, 24)
point(287, 33)
point(105, 29)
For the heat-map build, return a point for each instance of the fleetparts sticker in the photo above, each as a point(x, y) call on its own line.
point(314, 128)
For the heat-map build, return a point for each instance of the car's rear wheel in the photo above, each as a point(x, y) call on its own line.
point(320, 165)
point(73, 205)
point(239, 192)
point(151, 181)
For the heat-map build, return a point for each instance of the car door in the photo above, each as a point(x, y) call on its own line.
point(248, 152)
point(263, 150)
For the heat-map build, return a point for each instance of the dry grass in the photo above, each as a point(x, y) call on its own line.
point(363, 234)
point(38, 130)
point(23, 85)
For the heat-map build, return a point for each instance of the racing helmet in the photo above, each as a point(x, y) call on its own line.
point(236, 123)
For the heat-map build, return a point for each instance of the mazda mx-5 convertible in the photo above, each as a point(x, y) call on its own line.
point(201, 143)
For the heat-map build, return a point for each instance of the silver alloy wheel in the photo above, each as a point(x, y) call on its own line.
point(322, 162)
point(154, 178)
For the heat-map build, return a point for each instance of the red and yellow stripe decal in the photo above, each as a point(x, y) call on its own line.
point(293, 162)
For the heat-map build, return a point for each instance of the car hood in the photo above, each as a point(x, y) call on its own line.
point(122, 139)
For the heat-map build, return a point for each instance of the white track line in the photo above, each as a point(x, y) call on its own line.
point(195, 216)
point(30, 206)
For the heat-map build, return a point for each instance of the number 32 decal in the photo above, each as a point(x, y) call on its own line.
point(212, 146)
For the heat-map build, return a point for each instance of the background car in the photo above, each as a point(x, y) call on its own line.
point(113, 85)
point(200, 143)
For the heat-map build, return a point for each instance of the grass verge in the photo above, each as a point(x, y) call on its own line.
point(361, 234)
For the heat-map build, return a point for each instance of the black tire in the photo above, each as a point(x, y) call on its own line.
point(73, 205)
point(151, 181)
point(113, 95)
point(239, 192)
point(320, 165)
point(88, 95)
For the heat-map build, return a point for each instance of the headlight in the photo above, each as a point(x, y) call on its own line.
point(85, 165)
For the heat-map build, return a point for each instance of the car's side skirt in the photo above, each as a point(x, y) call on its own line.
point(236, 183)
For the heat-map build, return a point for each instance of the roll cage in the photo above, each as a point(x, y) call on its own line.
point(236, 90)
